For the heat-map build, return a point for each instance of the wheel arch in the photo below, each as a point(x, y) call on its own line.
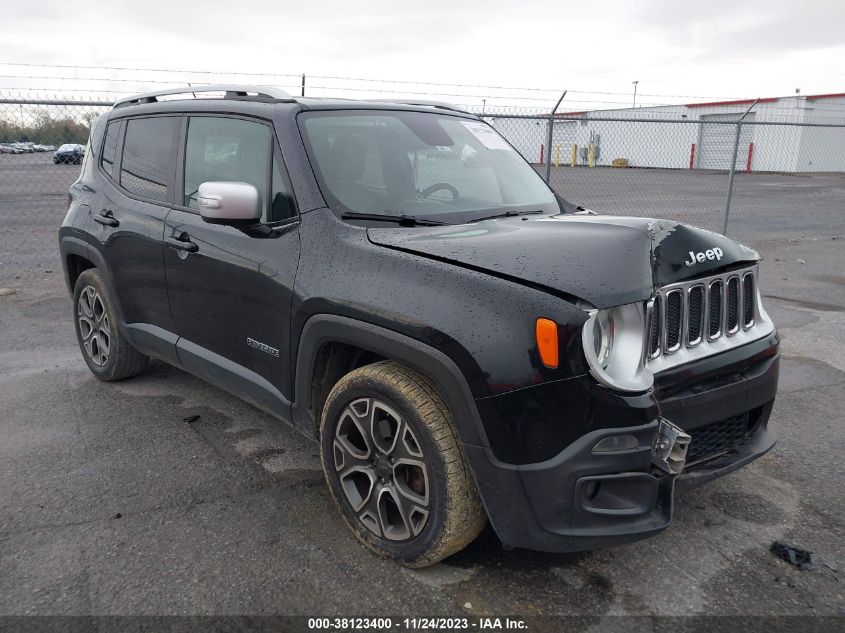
point(75, 266)
point(77, 257)
point(361, 342)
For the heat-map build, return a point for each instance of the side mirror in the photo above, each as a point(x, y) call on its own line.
point(228, 203)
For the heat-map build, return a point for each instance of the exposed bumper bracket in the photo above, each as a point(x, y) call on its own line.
point(669, 452)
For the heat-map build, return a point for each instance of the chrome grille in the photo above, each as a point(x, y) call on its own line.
point(733, 304)
point(715, 309)
point(674, 318)
point(695, 312)
point(701, 317)
point(654, 328)
point(748, 292)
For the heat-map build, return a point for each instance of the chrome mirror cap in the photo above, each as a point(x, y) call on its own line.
point(228, 202)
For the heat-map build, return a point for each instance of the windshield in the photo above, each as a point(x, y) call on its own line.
point(420, 164)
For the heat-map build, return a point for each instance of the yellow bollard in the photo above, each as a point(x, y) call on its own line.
point(592, 155)
point(557, 156)
point(574, 162)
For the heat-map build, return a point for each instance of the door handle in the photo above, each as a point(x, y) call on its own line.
point(106, 218)
point(182, 242)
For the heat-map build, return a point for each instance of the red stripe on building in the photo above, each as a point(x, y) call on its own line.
point(737, 102)
point(832, 95)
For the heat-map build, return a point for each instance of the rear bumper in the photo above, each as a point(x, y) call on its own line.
point(583, 499)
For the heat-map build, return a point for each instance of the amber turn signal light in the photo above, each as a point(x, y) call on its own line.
point(546, 332)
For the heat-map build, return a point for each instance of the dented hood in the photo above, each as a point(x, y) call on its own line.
point(604, 260)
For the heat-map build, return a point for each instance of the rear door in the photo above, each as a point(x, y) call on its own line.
point(137, 163)
point(230, 288)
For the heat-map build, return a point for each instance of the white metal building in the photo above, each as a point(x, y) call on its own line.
point(693, 136)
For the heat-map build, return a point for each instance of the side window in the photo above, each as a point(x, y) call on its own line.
point(148, 156)
point(110, 148)
point(225, 149)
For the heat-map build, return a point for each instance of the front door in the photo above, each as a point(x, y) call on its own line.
point(230, 288)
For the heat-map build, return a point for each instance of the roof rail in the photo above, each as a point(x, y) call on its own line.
point(231, 90)
point(423, 102)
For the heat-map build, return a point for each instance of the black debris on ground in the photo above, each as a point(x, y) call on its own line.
point(795, 556)
point(191, 418)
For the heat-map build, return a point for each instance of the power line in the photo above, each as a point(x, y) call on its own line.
point(154, 70)
point(395, 82)
point(358, 79)
point(555, 91)
point(107, 79)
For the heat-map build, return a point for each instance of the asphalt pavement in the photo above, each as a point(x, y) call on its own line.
point(112, 503)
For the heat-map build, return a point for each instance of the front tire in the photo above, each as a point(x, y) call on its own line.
point(106, 351)
point(395, 467)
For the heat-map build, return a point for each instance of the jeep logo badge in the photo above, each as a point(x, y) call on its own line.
point(710, 254)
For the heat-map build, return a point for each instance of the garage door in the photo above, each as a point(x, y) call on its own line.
point(716, 143)
point(564, 135)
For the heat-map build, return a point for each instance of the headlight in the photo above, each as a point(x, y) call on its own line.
point(603, 337)
point(613, 340)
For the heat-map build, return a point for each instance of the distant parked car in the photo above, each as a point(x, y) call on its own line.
point(44, 148)
point(69, 153)
point(6, 149)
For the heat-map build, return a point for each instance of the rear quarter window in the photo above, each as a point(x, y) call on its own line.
point(110, 148)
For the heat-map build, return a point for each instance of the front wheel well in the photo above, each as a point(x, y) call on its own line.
point(334, 360)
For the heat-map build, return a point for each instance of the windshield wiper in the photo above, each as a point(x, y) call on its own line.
point(507, 214)
point(401, 220)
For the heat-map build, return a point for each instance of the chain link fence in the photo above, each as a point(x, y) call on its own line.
point(755, 180)
point(42, 142)
point(752, 180)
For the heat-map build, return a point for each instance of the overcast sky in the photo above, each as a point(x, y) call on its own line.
point(718, 48)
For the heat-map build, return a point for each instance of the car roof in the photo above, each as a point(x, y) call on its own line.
point(238, 98)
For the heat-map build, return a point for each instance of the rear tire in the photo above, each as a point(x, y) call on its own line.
point(106, 351)
point(395, 467)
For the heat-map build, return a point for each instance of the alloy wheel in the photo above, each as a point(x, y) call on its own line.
point(94, 325)
point(381, 469)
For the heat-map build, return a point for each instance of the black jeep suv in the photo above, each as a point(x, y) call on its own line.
point(394, 280)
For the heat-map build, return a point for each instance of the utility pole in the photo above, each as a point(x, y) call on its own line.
point(635, 92)
point(483, 105)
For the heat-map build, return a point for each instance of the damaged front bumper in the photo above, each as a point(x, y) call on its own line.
point(616, 485)
point(584, 499)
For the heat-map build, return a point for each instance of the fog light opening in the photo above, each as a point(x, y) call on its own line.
point(617, 444)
